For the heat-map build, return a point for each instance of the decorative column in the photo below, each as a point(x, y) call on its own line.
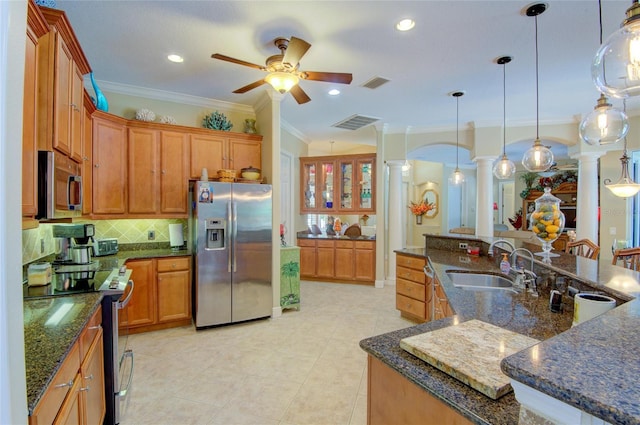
point(395, 216)
point(587, 203)
point(484, 196)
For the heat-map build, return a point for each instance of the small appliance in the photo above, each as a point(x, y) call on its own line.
point(59, 186)
point(108, 246)
point(74, 243)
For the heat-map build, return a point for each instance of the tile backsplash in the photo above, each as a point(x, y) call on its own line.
point(39, 242)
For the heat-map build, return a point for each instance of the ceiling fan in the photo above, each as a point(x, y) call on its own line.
point(283, 69)
point(555, 169)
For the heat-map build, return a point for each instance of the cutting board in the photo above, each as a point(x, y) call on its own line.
point(470, 352)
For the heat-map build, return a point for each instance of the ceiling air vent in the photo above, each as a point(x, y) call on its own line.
point(375, 82)
point(355, 122)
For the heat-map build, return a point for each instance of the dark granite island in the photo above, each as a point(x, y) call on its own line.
point(530, 315)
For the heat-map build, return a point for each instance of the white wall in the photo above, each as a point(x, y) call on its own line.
point(13, 398)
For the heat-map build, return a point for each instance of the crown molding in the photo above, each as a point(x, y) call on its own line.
point(167, 96)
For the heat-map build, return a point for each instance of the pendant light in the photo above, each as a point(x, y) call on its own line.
point(504, 168)
point(457, 177)
point(539, 157)
point(625, 187)
point(605, 124)
point(616, 67)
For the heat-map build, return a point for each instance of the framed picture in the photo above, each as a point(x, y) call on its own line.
point(430, 196)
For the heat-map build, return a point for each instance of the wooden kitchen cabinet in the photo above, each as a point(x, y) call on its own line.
point(162, 294)
point(393, 399)
point(87, 158)
point(109, 177)
point(36, 28)
point(338, 184)
point(413, 288)
point(174, 289)
point(441, 306)
point(217, 150)
point(157, 170)
point(61, 67)
point(341, 260)
point(76, 395)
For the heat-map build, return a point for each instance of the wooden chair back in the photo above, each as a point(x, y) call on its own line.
point(630, 258)
point(583, 248)
point(353, 230)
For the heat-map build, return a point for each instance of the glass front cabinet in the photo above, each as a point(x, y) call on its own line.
point(343, 184)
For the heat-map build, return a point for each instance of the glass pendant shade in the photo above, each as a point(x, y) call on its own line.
point(282, 81)
point(604, 125)
point(457, 177)
point(625, 187)
point(504, 168)
point(538, 158)
point(616, 67)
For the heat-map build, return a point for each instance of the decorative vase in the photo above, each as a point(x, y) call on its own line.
point(547, 222)
point(418, 219)
point(250, 126)
point(100, 101)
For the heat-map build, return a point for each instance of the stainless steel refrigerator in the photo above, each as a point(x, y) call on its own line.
point(231, 225)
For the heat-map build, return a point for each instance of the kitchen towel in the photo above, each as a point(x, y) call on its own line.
point(176, 237)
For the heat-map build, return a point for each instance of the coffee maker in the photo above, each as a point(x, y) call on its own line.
point(74, 244)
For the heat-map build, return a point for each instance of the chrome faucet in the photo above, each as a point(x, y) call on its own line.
point(528, 276)
point(500, 241)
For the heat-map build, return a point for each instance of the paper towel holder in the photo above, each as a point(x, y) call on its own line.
point(176, 237)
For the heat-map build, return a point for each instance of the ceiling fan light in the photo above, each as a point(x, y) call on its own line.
point(405, 24)
point(616, 66)
point(282, 81)
point(604, 125)
point(504, 168)
point(538, 158)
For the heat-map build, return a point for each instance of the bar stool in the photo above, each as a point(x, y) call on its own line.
point(583, 248)
point(630, 258)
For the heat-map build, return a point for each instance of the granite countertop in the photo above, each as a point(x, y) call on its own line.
point(335, 237)
point(591, 366)
point(48, 344)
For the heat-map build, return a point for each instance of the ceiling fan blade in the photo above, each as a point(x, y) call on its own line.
point(332, 77)
point(295, 51)
point(299, 95)
point(250, 86)
point(236, 61)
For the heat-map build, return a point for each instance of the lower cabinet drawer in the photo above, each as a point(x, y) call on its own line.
point(411, 289)
point(173, 264)
point(413, 307)
point(417, 276)
point(410, 262)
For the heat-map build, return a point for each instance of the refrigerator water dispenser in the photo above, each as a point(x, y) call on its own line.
point(215, 233)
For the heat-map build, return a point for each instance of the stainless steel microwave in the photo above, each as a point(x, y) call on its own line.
point(59, 186)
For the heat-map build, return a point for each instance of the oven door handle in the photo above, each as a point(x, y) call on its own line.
point(120, 304)
point(123, 393)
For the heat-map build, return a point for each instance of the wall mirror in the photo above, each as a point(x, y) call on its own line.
point(430, 196)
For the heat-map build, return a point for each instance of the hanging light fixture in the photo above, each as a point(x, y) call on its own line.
point(457, 177)
point(625, 187)
point(538, 157)
point(605, 124)
point(282, 81)
point(616, 67)
point(504, 168)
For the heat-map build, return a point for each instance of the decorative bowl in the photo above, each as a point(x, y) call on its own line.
point(250, 173)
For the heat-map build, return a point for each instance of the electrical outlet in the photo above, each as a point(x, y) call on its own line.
point(464, 259)
point(151, 235)
point(463, 245)
point(612, 230)
point(41, 246)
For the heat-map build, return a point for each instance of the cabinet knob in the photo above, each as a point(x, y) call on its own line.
point(84, 389)
point(89, 377)
point(164, 171)
point(97, 165)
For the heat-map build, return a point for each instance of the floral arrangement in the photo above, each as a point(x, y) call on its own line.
point(168, 119)
point(217, 121)
point(567, 176)
point(516, 220)
point(421, 208)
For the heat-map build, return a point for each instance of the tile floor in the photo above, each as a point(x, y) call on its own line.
point(305, 367)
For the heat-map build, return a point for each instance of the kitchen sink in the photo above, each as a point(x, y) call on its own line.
point(480, 280)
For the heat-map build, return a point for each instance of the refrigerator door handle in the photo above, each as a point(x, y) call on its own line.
point(234, 236)
point(228, 236)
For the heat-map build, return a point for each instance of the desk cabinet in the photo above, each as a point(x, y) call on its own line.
point(290, 277)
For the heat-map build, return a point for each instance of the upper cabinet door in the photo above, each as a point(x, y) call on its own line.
point(207, 151)
point(327, 186)
point(348, 186)
point(308, 195)
point(366, 184)
point(62, 110)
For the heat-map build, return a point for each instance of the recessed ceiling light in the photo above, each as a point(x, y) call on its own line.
point(334, 92)
point(175, 58)
point(405, 24)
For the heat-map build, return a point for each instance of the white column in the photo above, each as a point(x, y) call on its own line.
point(484, 196)
point(587, 203)
point(395, 216)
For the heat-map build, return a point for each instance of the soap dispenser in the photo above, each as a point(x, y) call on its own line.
point(505, 267)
